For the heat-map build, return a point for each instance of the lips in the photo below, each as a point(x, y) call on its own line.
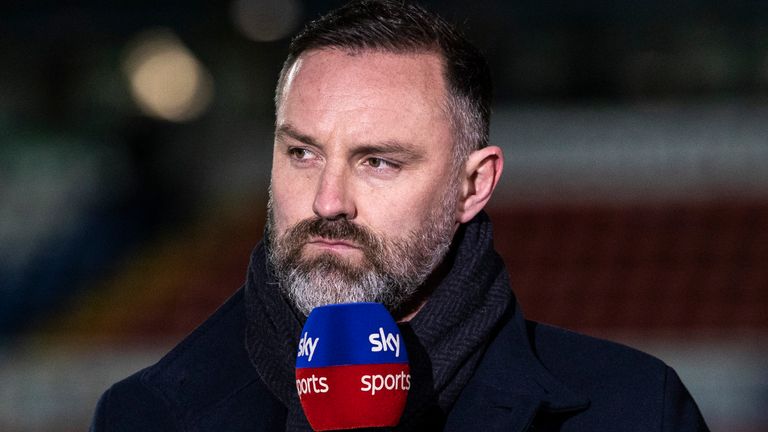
point(333, 243)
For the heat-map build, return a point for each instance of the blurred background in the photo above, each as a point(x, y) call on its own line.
point(135, 146)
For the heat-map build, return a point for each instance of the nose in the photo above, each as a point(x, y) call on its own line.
point(333, 199)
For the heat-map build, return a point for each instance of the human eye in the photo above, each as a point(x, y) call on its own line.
point(378, 163)
point(301, 154)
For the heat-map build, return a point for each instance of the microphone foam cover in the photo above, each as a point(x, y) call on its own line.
point(352, 368)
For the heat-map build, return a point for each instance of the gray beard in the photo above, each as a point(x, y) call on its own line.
point(392, 271)
point(319, 283)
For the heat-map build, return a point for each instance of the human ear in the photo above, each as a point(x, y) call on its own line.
point(479, 178)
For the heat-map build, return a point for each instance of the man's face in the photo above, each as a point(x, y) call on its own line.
point(363, 194)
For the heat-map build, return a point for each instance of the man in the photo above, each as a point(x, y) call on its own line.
point(381, 170)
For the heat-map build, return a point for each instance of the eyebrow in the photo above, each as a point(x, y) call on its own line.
point(288, 130)
point(382, 147)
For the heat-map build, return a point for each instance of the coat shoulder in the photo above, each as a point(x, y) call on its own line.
point(207, 378)
point(625, 386)
point(577, 355)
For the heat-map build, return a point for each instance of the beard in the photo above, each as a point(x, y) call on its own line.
point(390, 271)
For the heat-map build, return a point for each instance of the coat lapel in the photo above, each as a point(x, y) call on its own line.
point(511, 387)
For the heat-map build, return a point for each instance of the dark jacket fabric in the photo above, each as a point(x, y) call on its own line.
point(502, 373)
point(533, 377)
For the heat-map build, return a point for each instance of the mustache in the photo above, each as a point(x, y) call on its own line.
point(333, 229)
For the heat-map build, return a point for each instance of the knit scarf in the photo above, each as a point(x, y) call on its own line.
point(445, 340)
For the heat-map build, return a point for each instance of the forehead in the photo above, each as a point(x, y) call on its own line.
point(368, 87)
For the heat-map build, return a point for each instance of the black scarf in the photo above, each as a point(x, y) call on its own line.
point(445, 340)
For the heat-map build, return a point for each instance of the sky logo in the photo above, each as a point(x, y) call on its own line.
point(385, 342)
point(307, 346)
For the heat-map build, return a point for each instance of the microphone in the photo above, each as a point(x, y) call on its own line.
point(352, 368)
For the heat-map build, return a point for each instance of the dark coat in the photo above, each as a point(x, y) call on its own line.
point(532, 377)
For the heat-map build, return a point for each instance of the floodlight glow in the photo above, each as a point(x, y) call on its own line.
point(166, 80)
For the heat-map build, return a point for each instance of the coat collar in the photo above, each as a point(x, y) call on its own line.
point(511, 386)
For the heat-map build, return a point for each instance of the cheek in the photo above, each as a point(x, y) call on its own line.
point(400, 210)
point(291, 199)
